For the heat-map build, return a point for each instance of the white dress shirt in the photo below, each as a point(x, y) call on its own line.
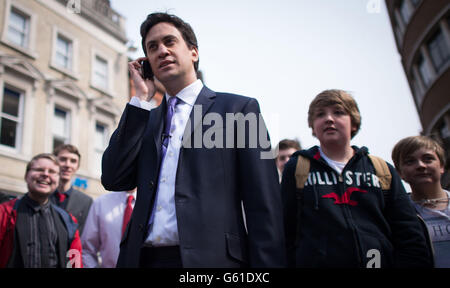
point(103, 230)
point(164, 231)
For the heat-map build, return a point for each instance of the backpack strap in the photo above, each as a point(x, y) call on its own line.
point(382, 172)
point(302, 171)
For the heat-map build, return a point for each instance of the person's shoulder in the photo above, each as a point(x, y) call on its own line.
point(8, 206)
point(81, 194)
point(234, 97)
point(109, 196)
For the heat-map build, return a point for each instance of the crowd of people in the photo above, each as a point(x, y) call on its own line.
point(178, 206)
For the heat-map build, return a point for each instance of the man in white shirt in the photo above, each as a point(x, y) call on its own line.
point(103, 229)
point(188, 212)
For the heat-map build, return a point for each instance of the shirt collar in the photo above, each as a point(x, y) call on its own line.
point(35, 206)
point(189, 93)
point(68, 192)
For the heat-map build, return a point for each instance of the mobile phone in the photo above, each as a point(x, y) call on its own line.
point(147, 72)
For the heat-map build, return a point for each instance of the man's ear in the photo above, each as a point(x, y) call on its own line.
point(194, 52)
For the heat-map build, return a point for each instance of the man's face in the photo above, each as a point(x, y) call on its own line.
point(332, 125)
point(421, 167)
point(69, 163)
point(168, 53)
point(43, 177)
point(283, 157)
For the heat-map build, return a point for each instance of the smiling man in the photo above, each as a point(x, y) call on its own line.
point(188, 209)
point(66, 196)
point(34, 233)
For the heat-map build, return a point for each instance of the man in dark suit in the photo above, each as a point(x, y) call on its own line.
point(192, 178)
point(66, 196)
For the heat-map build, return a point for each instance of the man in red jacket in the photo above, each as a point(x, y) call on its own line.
point(33, 232)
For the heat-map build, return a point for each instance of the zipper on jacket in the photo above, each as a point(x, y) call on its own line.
point(352, 226)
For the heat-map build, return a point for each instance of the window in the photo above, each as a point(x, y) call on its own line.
point(424, 71)
point(439, 52)
point(18, 28)
point(63, 56)
point(100, 142)
point(61, 127)
point(416, 89)
point(100, 76)
point(405, 11)
point(11, 118)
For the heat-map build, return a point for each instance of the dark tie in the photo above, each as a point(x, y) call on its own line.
point(44, 237)
point(172, 102)
point(127, 213)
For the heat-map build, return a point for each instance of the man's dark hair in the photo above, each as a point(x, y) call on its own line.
point(184, 28)
point(288, 143)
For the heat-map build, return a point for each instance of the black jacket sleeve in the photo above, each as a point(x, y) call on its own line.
point(290, 208)
point(119, 162)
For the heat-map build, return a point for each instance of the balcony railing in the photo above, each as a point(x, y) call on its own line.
point(101, 14)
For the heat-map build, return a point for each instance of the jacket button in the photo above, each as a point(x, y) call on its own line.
point(141, 227)
point(152, 184)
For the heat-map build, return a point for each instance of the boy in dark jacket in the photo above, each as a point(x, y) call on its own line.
point(33, 232)
point(340, 216)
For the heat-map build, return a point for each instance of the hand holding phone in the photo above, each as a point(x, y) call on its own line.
point(147, 72)
point(143, 81)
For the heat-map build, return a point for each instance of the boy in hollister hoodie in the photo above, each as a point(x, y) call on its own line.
point(342, 217)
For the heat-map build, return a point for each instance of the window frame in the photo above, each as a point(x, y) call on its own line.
point(107, 89)
point(67, 126)
point(29, 49)
point(438, 66)
point(72, 70)
point(20, 118)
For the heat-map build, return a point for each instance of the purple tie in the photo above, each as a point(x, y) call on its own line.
point(173, 101)
point(167, 124)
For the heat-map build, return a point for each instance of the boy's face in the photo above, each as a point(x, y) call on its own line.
point(69, 163)
point(332, 125)
point(283, 157)
point(421, 167)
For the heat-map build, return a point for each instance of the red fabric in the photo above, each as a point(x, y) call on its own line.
point(61, 197)
point(8, 218)
point(345, 198)
point(317, 156)
point(127, 214)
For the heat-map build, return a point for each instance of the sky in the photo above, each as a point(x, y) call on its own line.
point(285, 52)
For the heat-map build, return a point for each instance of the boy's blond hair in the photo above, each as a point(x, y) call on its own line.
point(336, 97)
point(409, 145)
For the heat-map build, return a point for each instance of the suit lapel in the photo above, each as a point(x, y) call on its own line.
point(23, 229)
point(72, 202)
point(62, 243)
point(204, 100)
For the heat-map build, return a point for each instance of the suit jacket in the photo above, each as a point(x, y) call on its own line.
point(210, 185)
point(78, 204)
